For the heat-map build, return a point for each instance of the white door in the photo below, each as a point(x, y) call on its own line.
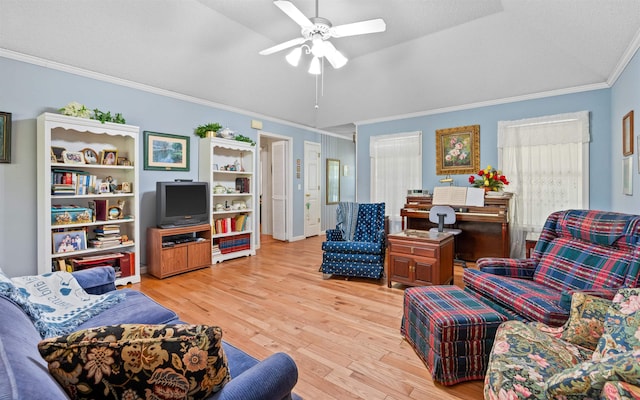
point(312, 203)
point(279, 189)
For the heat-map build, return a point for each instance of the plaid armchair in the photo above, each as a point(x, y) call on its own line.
point(357, 246)
point(579, 250)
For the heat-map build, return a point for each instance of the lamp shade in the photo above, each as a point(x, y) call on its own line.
point(314, 68)
point(294, 55)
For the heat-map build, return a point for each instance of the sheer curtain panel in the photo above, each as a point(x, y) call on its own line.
point(396, 166)
point(547, 162)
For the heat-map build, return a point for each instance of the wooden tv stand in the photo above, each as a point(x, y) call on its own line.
point(166, 259)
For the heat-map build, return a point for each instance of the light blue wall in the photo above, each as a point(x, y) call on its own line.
point(625, 96)
point(598, 102)
point(27, 90)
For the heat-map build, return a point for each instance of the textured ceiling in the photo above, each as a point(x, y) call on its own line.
point(435, 54)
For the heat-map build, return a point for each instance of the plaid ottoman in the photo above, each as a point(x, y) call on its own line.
point(450, 330)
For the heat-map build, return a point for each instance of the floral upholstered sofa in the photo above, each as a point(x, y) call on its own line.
point(595, 354)
point(578, 250)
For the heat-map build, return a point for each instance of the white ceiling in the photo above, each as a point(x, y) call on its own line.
point(435, 54)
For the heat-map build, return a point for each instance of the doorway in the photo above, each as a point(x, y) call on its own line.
point(312, 188)
point(275, 190)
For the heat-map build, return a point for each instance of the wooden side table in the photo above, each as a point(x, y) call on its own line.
point(530, 242)
point(420, 258)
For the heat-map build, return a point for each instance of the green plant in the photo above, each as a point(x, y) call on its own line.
point(203, 129)
point(106, 117)
point(245, 139)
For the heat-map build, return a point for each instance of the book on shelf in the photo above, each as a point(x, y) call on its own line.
point(72, 182)
point(237, 223)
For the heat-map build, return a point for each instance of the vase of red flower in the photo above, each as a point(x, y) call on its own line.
point(489, 179)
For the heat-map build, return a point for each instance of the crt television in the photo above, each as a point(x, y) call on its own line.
point(182, 203)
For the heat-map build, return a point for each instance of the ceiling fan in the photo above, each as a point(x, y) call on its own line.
point(319, 30)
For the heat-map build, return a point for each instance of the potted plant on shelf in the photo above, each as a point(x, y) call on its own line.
point(208, 130)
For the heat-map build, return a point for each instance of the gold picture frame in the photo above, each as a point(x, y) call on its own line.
point(627, 134)
point(458, 150)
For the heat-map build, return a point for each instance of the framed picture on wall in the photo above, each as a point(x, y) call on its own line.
point(5, 137)
point(627, 134)
point(458, 150)
point(166, 152)
point(627, 176)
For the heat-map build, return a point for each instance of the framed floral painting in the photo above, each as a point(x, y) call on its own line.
point(458, 150)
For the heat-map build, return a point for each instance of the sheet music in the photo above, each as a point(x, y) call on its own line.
point(458, 196)
point(475, 197)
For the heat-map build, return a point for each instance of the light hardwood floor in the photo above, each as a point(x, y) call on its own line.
point(344, 335)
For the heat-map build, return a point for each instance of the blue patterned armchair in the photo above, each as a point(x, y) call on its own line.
point(357, 246)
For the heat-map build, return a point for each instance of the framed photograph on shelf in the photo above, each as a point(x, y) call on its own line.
point(458, 150)
point(66, 241)
point(627, 176)
point(57, 153)
point(90, 156)
point(108, 157)
point(73, 157)
point(5, 137)
point(166, 152)
point(627, 134)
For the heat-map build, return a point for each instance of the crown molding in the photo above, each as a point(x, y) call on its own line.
point(150, 89)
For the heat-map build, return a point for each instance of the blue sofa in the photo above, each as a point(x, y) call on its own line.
point(24, 373)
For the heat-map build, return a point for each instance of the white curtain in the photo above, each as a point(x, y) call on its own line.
point(396, 166)
point(546, 160)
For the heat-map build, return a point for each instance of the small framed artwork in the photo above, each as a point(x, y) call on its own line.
point(124, 161)
point(5, 137)
point(72, 157)
point(67, 241)
point(108, 157)
point(125, 187)
point(627, 176)
point(458, 150)
point(57, 153)
point(90, 156)
point(104, 187)
point(627, 134)
point(166, 152)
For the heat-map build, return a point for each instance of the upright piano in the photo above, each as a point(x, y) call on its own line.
point(485, 230)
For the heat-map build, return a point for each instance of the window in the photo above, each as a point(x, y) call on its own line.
point(547, 162)
point(396, 166)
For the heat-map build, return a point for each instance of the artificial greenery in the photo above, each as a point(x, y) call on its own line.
point(245, 139)
point(106, 117)
point(203, 129)
point(76, 109)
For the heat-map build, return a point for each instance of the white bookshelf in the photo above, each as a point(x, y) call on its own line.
point(222, 163)
point(77, 134)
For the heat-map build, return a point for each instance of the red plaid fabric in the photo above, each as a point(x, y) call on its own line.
point(450, 330)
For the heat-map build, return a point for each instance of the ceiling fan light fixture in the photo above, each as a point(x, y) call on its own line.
point(315, 68)
point(294, 56)
point(318, 49)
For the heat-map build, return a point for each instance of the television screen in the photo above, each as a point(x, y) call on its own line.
point(182, 203)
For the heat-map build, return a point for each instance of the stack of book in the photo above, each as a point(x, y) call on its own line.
point(106, 236)
point(215, 249)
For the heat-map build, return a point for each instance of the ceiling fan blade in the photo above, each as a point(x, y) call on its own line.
point(335, 58)
point(359, 28)
point(292, 11)
point(282, 46)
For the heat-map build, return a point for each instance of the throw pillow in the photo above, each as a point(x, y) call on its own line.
point(586, 320)
point(621, 325)
point(138, 361)
point(587, 379)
